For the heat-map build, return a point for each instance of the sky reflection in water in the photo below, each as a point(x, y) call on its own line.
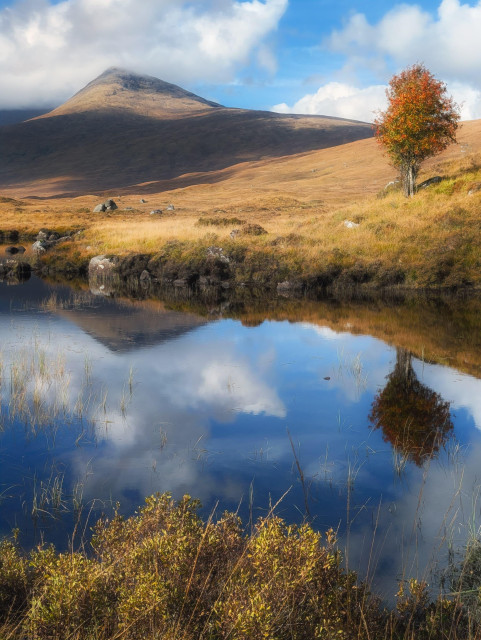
point(161, 401)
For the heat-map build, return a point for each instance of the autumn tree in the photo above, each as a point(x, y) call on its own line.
point(413, 418)
point(420, 121)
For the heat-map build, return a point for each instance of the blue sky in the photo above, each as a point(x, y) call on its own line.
point(309, 56)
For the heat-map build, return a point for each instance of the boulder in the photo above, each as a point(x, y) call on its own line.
point(145, 278)
point(217, 253)
point(40, 246)
point(170, 207)
point(475, 188)
point(234, 233)
point(156, 212)
point(349, 224)
point(142, 201)
point(102, 266)
point(289, 286)
point(11, 250)
point(43, 234)
point(108, 205)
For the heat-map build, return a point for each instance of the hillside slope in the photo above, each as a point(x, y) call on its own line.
point(123, 129)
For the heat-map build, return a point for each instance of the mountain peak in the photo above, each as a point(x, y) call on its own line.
point(118, 89)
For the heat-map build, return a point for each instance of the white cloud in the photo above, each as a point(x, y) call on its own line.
point(341, 100)
point(346, 101)
point(47, 52)
point(447, 42)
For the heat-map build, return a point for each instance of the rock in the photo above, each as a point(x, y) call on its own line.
point(47, 239)
point(21, 249)
point(142, 201)
point(43, 234)
point(102, 266)
point(40, 246)
point(234, 233)
point(108, 205)
point(218, 254)
point(170, 207)
point(474, 189)
point(11, 250)
point(428, 183)
point(37, 247)
point(288, 286)
point(350, 224)
point(128, 208)
point(145, 278)
point(156, 212)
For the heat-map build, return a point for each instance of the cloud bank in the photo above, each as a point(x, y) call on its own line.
point(48, 52)
point(342, 100)
point(447, 42)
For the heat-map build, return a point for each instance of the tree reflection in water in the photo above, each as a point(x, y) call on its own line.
point(413, 418)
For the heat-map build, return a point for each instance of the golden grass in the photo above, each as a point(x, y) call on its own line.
point(302, 202)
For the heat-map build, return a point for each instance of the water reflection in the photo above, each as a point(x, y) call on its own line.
point(413, 418)
point(106, 400)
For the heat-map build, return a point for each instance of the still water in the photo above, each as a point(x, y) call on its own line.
point(362, 417)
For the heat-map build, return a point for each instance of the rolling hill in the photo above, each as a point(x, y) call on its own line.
point(123, 129)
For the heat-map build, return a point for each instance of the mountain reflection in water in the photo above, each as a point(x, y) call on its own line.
point(107, 400)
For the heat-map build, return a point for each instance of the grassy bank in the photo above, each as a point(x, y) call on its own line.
point(431, 240)
point(165, 573)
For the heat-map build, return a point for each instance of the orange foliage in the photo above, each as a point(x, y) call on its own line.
point(421, 121)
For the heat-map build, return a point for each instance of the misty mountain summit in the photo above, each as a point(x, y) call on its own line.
point(118, 88)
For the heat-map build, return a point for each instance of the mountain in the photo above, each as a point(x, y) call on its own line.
point(120, 90)
point(125, 129)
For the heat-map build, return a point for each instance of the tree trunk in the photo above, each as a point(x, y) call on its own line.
point(409, 180)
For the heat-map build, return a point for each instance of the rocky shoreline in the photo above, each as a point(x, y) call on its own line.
point(179, 265)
